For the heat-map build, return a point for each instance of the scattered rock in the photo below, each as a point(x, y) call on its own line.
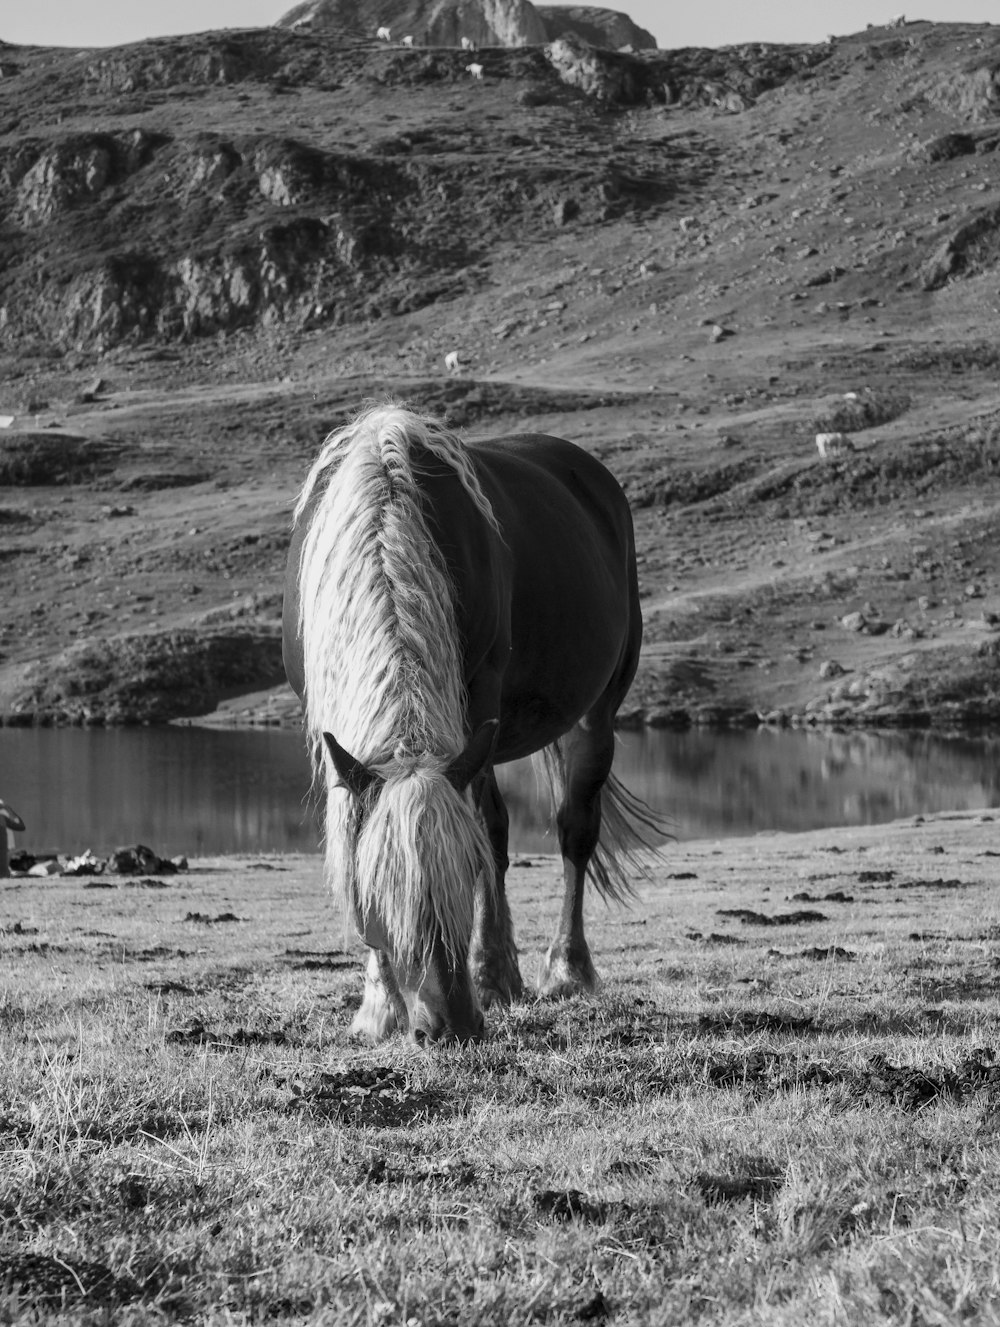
point(751, 918)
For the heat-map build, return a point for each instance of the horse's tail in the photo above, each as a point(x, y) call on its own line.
point(631, 831)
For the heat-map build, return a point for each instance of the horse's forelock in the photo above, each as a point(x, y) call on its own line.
point(417, 860)
point(383, 674)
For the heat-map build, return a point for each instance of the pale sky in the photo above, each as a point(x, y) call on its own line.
point(672, 22)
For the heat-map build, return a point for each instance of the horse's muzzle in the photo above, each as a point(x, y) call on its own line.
point(448, 1034)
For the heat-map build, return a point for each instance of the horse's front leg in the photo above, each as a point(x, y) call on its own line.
point(383, 1009)
point(493, 955)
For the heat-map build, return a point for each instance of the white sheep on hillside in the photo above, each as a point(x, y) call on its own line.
point(830, 445)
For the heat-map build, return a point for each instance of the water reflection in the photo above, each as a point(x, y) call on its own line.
point(201, 791)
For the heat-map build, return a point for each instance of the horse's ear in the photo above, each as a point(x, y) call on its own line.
point(476, 756)
point(357, 778)
point(9, 819)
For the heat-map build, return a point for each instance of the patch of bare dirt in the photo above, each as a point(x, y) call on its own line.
point(378, 1098)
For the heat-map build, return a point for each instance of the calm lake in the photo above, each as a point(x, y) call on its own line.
point(201, 791)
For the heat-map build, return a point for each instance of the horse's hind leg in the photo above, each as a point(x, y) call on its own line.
point(588, 751)
point(493, 954)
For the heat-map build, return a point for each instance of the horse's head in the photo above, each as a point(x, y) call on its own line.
point(420, 852)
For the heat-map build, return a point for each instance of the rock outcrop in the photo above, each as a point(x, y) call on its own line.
point(146, 678)
point(971, 248)
point(609, 76)
point(972, 93)
point(428, 22)
point(599, 27)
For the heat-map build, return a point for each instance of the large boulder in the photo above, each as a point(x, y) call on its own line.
point(608, 76)
point(599, 27)
point(428, 22)
point(970, 93)
point(971, 248)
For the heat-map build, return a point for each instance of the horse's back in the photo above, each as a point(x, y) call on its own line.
point(530, 474)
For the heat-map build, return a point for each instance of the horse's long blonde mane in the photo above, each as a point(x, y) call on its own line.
point(383, 673)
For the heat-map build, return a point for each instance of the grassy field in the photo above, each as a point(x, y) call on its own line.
point(783, 1107)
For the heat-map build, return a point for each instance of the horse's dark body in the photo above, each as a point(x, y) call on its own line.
point(549, 623)
point(549, 615)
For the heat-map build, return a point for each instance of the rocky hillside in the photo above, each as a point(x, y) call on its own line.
point(213, 247)
point(200, 220)
point(599, 27)
point(425, 22)
point(483, 22)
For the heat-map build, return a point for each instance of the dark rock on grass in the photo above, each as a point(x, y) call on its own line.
point(379, 1098)
point(198, 1033)
point(912, 1088)
point(756, 1021)
point(140, 860)
point(595, 1309)
point(758, 1178)
point(835, 896)
point(907, 1087)
point(565, 1204)
point(751, 1070)
point(932, 884)
point(824, 953)
point(44, 1281)
point(750, 918)
point(324, 964)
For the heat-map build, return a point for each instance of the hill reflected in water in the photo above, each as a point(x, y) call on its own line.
point(201, 791)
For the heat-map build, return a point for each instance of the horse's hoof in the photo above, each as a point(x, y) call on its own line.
point(564, 977)
point(565, 989)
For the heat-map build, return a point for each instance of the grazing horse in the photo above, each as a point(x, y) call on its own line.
point(450, 607)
